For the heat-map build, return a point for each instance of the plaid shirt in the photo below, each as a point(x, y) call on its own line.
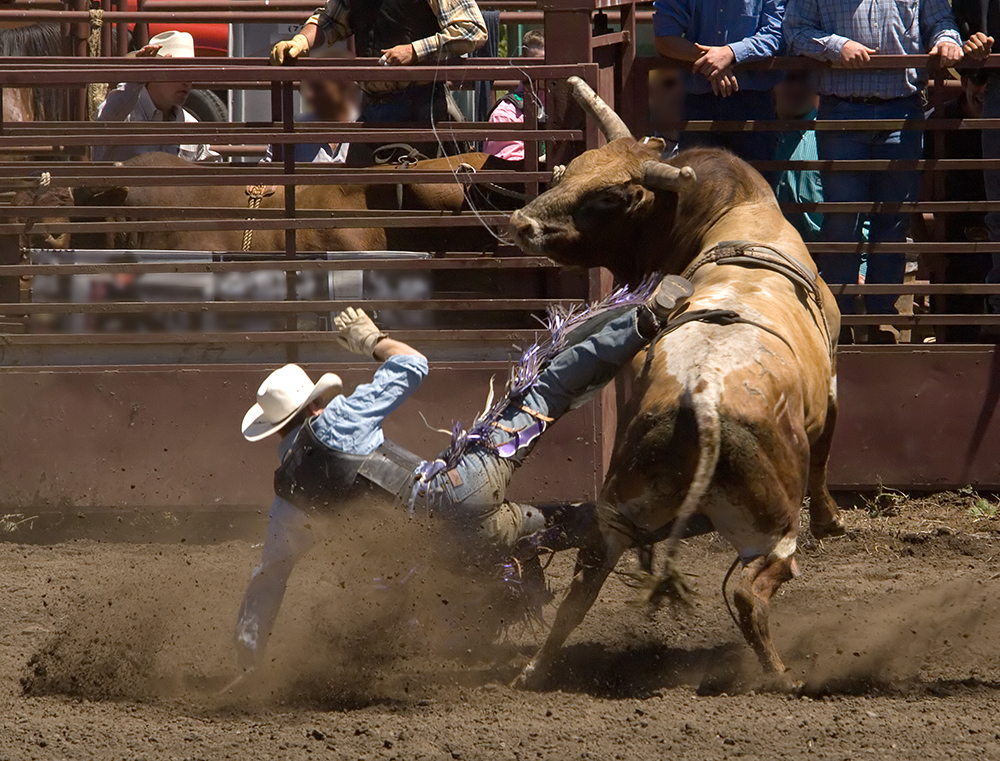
point(462, 31)
point(819, 29)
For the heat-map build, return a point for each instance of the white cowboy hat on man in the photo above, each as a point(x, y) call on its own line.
point(173, 44)
point(284, 394)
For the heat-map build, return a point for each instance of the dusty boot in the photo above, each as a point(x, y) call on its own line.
point(566, 525)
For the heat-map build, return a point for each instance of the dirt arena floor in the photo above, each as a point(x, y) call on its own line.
point(115, 651)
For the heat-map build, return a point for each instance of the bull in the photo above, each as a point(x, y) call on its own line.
point(446, 197)
point(733, 411)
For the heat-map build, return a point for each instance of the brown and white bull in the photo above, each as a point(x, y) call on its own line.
point(732, 416)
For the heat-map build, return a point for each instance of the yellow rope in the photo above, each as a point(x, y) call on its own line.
point(256, 193)
point(96, 91)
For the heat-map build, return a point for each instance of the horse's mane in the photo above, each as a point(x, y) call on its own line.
point(50, 103)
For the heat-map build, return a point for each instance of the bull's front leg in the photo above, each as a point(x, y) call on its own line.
point(824, 516)
point(596, 560)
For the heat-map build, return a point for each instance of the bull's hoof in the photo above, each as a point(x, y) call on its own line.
point(835, 527)
point(781, 683)
point(532, 678)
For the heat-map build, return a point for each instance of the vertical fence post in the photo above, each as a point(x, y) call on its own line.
point(531, 89)
point(121, 41)
point(291, 286)
point(107, 38)
point(141, 30)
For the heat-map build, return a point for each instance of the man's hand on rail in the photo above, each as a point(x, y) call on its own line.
point(149, 51)
point(401, 55)
point(854, 55)
point(724, 83)
point(714, 60)
point(978, 46)
point(288, 50)
point(951, 54)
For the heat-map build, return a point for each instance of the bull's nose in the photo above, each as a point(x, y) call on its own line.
point(524, 227)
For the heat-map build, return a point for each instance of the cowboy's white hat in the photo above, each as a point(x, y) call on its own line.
point(282, 395)
point(174, 44)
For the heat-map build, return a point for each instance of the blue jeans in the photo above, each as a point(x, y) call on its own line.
point(477, 487)
point(742, 106)
point(991, 150)
point(416, 105)
point(889, 186)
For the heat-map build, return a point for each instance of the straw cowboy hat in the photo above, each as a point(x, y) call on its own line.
point(284, 394)
point(173, 45)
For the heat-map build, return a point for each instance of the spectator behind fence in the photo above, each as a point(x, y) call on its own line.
point(849, 32)
point(716, 35)
point(666, 105)
point(795, 99)
point(980, 22)
point(403, 33)
point(328, 100)
point(510, 108)
point(960, 185)
point(152, 102)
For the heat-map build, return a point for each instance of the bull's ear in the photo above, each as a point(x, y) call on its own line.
point(85, 196)
point(658, 144)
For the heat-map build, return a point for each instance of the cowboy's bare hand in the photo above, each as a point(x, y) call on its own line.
point(951, 54)
point(714, 60)
point(287, 51)
point(978, 46)
point(854, 55)
point(724, 83)
point(357, 331)
point(149, 51)
point(401, 55)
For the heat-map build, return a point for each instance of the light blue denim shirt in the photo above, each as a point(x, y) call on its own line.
point(353, 423)
point(819, 29)
point(751, 28)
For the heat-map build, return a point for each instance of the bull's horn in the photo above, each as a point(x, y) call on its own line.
point(611, 123)
point(658, 176)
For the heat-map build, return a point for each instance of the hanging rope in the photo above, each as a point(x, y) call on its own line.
point(255, 194)
point(96, 91)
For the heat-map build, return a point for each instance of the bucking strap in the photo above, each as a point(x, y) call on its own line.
point(749, 254)
point(714, 316)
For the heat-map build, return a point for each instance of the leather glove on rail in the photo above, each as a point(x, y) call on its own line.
point(288, 50)
point(357, 331)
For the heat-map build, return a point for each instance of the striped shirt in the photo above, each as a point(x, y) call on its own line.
point(819, 29)
point(462, 31)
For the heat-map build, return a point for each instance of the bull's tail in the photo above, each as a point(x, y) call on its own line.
point(670, 582)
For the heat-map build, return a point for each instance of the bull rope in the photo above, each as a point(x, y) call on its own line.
point(96, 91)
point(255, 194)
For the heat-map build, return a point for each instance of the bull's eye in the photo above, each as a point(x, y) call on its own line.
point(603, 204)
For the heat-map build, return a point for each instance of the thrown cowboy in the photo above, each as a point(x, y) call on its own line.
point(398, 33)
point(332, 447)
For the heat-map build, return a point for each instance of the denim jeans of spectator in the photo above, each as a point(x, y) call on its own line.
point(991, 150)
point(417, 104)
point(854, 186)
point(472, 494)
point(744, 105)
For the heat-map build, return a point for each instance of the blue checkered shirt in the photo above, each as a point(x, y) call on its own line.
point(819, 29)
point(751, 28)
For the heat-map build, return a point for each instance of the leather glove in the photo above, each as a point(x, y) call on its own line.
point(357, 331)
point(287, 50)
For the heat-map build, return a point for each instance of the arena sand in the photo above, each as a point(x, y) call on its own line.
point(116, 650)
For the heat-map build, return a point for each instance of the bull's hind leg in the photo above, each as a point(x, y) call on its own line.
point(759, 580)
point(824, 515)
point(598, 557)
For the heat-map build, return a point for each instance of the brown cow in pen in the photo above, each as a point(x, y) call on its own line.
point(734, 408)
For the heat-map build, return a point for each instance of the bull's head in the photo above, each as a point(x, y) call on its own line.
point(612, 207)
